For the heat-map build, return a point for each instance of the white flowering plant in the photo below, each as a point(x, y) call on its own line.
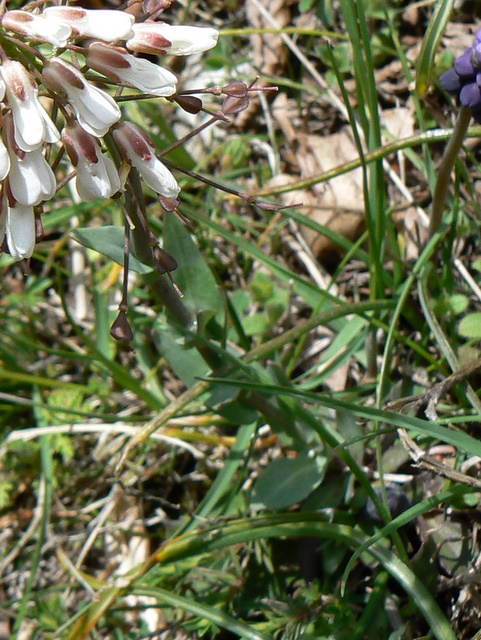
point(64, 75)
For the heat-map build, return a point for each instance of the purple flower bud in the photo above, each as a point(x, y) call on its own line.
point(234, 105)
point(470, 95)
point(463, 65)
point(121, 329)
point(191, 104)
point(164, 262)
point(235, 89)
point(450, 81)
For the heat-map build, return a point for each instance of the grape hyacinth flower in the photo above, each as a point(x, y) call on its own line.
point(464, 78)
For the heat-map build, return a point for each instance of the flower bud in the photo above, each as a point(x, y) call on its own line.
point(94, 109)
point(164, 262)
point(232, 105)
point(235, 89)
point(138, 149)
point(37, 27)
point(153, 8)
point(190, 104)
point(20, 231)
point(159, 37)
point(31, 180)
point(33, 126)
point(121, 329)
point(118, 65)
point(97, 176)
point(104, 24)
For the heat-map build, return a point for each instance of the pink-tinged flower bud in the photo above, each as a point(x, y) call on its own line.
point(159, 37)
point(104, 24)
point(118, 65)
point(153, 8)
point(232, 105)
point(33, 126)
point(20, 231)
point(236, 89)
point(138, 149)
point(95, 110)
point(37, 27)
point(97, 176)
point(31, 180)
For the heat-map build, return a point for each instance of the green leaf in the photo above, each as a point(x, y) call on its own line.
point(429, 48)
point(186, 361)
point(470, 326)
point(110, 242)
point(288, 481)
point(193, 275)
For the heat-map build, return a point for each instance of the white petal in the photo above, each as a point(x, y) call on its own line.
point(29, 24)
point(31, 179)
point(3, 219)
point(97, 180)
point(149, 77)
point(157, 176)
point(4, 161)
point(104, 24)
point(96, 111)
point(185, 40)
point(20, 231)
point(33, 126)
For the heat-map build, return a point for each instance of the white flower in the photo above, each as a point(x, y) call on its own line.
point(20, 229)
point(94, 109)
point(138, 149)
point(159, 37)
point(33, 126)
point(118, 65)
point(97, 176)
point(31, 180)
point(104, 24)
point(37, 27)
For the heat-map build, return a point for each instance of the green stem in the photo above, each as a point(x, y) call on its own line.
point(445, 168)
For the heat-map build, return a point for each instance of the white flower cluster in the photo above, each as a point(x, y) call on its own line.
point(88, 112)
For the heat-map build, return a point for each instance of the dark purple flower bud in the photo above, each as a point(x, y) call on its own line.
point(470, 95)
point(164, 262)
point(450, 81)
point(191, 104)
point(463, 65)
point(121, 329)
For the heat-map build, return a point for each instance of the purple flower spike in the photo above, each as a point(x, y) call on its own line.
point(470, 95)
point(464, 66)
